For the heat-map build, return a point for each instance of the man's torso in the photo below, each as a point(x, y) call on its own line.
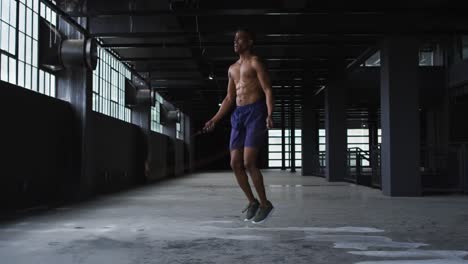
point(248, 88)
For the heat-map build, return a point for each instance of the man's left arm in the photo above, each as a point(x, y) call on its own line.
point(264, 80)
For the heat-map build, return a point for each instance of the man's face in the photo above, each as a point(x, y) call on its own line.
point(242, 42)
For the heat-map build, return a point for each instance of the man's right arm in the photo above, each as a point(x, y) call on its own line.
point(226, 105)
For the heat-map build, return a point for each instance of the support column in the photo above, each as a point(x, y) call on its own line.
point(335, 118)
point(400, 116)
point(141, 116)
point(310, 137)
point(75, 86)
point(292, 141)
point(373, 128)
point(283, 137)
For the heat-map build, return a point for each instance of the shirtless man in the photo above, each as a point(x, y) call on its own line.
point(249, 87)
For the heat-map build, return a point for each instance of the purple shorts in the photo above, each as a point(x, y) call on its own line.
point(248, 125)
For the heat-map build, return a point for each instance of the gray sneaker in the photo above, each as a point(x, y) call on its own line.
point(263, 214)
point(251, 210)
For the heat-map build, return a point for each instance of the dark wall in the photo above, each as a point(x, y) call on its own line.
point(160, 160)
point(458, 120)
point(212, 149)
point(458, 79)
point(116, 154)
point(179, 159)
point(363, 86)
point(40, 144)
point(36, 146)
point(458, 74)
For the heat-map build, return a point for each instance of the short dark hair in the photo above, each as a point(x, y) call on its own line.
point(248, 32)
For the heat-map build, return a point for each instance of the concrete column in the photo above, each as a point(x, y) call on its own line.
point(75, 87)
point(141, 116)
point(400, 116)
point(283, 137)
point(373, 128)
point(292, 134)
point(335, 119)
point(310, 137)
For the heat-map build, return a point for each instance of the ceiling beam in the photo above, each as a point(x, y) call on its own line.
point(285, 69)
point(269, 12)
point(318, 33)
point(307, 44)
point(227, 58)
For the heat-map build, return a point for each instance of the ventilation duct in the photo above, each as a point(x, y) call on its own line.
point(174, 116)
point(56, 52)
point(79, 53)
point(135, 96)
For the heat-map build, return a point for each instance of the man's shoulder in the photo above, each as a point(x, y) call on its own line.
point(235, 64)
point(256, 59)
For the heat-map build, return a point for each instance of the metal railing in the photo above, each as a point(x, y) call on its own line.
point(442, 168)
point(359, 168)
point(375, 166)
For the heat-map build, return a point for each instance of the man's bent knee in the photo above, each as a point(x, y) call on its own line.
point(250, 166)
point(236, 165)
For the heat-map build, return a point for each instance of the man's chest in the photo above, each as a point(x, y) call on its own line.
point(242, 72)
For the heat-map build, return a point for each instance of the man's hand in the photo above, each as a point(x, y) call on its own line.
point(269, 122)
point(209, 126)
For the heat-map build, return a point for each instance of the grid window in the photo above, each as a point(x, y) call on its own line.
point(359, 138)
point(426, 58)
point(19, 45)
point(45, 12)
point(8, 26)
point(156, 114)
point(322, 140)
point(322, 147)
point(109, 86)
point(275, 147)
point(180, 129)
point(8, 21)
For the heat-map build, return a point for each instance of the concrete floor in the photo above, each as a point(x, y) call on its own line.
point(197, 219)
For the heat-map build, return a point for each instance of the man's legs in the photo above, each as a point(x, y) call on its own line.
point(250, 164)
point(237, 165)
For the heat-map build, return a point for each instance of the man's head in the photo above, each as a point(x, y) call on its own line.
point(243, 41)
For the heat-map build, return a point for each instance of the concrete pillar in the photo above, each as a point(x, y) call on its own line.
point(373, 128)
point(292, 134)
point(400, 116)
point(283, 137)
point(141, 116)
point(310, 137)
point(335, 118)
point(75, 87)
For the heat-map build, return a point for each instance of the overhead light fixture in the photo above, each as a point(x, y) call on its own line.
point(211, 76)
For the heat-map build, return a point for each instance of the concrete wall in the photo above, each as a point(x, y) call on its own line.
point(37, 147)
point(458, 74)
point(363, 86)
point(159, 162)
point(41, 141)
point(117, 153)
